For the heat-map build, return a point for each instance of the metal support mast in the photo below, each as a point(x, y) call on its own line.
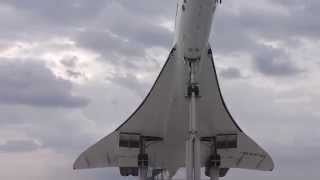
point(193, 142)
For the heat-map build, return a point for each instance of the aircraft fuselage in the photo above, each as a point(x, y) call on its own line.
point(193, 26)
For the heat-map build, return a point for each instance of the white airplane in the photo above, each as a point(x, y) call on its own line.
point(183, 121)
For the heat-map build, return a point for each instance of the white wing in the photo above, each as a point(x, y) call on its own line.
point(164, 113)
point(214, 119)
point(148, 119)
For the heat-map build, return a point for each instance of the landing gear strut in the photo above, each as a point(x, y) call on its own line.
point(212, 167)
point(143, 162)
point(193, 164)
point(143, 158)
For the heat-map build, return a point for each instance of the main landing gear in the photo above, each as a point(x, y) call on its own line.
point(137, 143)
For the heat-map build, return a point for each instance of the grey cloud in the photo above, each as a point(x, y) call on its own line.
point(291, 162)
point(231, 73)
point(64, 18)
point(70, 131)
point(123, 33)
point(132, 83)
point(60, 130)
point(19, 24)
point(239, 31)
point(62, 135)
point(108, 45)
point(233, 31)
point(123, 52)
point(75, 74)
point(143, 31)
point(230, 35)
point(70, 62)
point(75, 11)
point(46, 19)
point(303, 17)
point(59, 11)
point(18, 146)
point(135, 31)
point(293, 143)
point(4, 46)
point(275, 62)
point(31, 83)
point(301, 21)
point(153, 8)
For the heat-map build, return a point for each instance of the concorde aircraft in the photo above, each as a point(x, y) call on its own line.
point(183, 121)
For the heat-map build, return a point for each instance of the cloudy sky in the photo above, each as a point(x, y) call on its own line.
point(72, 71)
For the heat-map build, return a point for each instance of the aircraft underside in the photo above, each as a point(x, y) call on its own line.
point(154, 138)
